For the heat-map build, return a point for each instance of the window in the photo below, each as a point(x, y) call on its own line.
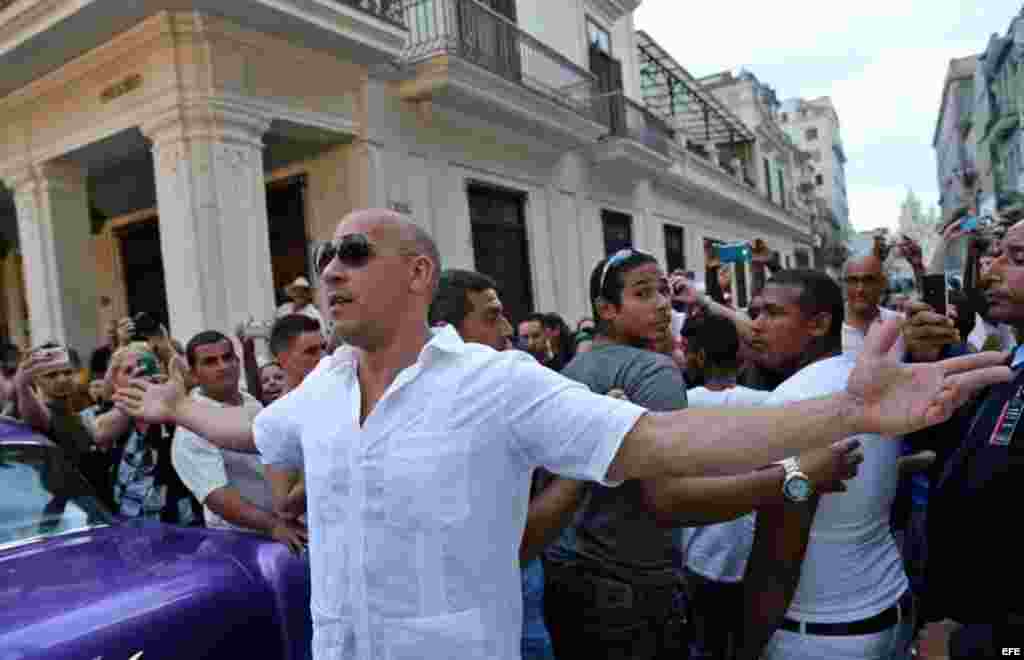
point(782, 187)
point(598, 37)
point(768, 178)
point(618, 231)
point(785, 117)
point(675, 247)
point(811, 134)
point(500, 244)
point(820, 180)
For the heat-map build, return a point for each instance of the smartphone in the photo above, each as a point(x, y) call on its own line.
point(56, 356)
point(974, 223)
point(934, 293)
point(731, 253)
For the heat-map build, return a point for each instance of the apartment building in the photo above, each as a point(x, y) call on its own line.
point(183, 157)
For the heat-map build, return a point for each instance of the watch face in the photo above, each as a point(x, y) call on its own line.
point(798, 489)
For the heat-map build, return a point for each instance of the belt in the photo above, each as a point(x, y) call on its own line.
point(903, 610)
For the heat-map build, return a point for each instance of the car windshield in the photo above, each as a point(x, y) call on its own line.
point(42, 495)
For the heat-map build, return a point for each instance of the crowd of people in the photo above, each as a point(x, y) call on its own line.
point(817, 475)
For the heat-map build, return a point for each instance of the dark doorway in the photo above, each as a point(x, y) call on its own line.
point(143, 268)
point(675, 248)
point(501, 247)
point(611, 106)
point(286, 217)
point(618, 231)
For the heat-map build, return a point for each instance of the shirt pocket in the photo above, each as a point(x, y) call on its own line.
point(457, 636)
point(424, 479)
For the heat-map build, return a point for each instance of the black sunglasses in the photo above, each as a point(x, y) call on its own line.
point(352, 250)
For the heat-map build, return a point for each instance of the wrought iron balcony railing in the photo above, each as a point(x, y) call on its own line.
point(392, 11)
point(473, 32)
point(648, 128)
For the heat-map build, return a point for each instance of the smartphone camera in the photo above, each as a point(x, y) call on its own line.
point(731, 253)
point(974, 223)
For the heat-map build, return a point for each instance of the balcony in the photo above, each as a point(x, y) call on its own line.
point(636, 136)
point(463, 54)
point(387, 10)
point(37, 37)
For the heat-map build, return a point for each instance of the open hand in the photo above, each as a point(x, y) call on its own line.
point(829, 467)
point(151, 402)
point(34, 365)
point(894, 399)
point(683, 290)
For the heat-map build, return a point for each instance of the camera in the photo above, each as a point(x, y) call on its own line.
point(975, 223)
point(734, 252)
point(58, 358)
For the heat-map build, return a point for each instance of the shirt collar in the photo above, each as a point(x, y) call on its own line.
point(443, 340)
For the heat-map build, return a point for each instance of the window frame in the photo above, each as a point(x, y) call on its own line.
point(589, 22)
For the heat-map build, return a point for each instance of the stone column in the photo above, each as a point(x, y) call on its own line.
point(647, 232)
point(53, 231)
point(14, 301)
point(571, 274)
point(214, 235)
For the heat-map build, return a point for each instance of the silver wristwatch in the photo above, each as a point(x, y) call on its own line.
point(796, 487)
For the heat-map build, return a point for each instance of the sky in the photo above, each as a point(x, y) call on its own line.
point(883, 62)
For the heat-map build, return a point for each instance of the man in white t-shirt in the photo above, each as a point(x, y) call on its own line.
point(827, 566)
point(229, 484)
point(711, 356)
point(418, 449)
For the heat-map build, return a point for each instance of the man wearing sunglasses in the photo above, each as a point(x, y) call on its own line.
point(418, 449)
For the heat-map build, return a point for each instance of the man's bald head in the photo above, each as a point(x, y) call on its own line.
point(865, 281)
point(394, 229)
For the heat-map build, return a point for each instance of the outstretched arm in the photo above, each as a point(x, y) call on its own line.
point(882, 396)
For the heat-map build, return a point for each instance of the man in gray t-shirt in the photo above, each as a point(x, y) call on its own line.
point(613, 527)
point(612, 588)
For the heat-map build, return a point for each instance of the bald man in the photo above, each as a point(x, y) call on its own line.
point(864, 282)
point(418, 449)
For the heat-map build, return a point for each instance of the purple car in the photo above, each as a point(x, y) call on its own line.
point(77, 582)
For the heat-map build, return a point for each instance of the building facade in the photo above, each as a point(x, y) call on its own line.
point(955, 155)
point(813, 125)
point(979, 141)
point(999, 101)
point(183, 158)
point(778, 166)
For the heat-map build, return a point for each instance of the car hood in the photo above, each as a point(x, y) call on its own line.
point(116, 591)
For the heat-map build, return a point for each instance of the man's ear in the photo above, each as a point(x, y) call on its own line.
point(701, 358)
point(422, 271)
point(606, 311)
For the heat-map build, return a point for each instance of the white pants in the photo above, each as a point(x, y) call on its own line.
point(890, 644)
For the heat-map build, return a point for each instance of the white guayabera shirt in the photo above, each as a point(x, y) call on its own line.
point(415, 519)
